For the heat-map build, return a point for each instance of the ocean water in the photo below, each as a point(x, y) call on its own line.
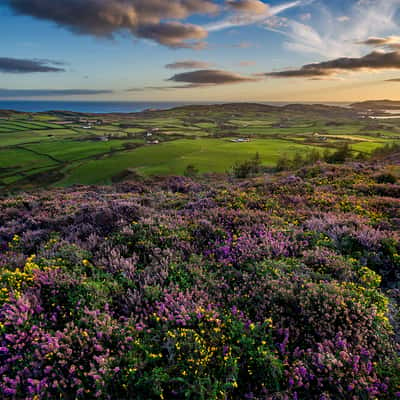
point(100, 107)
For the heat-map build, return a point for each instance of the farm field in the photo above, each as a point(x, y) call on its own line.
point(171, 158)
point(61, 149)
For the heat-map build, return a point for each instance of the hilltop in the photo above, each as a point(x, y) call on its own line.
point(223, 107)
point(377, 105)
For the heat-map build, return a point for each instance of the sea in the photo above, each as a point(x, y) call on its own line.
point(104, 107)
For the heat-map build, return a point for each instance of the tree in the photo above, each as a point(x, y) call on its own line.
point(246, 168)
point(297, 160)
point(283, 163)
point(341, 155)
point(256, 163)
point(314, 156)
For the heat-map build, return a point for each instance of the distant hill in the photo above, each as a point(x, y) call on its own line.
point(240, 108)
point(377, 105)
point(231, 108)
point(7, 113)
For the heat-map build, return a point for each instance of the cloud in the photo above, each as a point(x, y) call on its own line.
point(325, 37)
point(306, 16)
point(245, 19)
point(303, 72)
point(248, 6)
point(390, 42)
point(26, 66)
point(200, 79)
point(146, 88)
point(174, 34)
point(381, 41)
point(12, 93)
point(210, 77)
point(158, 20)
point(189, 64)
point(375, 61)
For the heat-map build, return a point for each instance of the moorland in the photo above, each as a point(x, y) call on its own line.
point(282, 287)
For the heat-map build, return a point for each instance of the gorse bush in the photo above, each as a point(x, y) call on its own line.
point(386, 178)
point(181, 289)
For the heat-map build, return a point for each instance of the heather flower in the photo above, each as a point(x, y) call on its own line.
point(273, 289)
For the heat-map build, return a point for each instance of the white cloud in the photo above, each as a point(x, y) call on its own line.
point(306, 16)
point(233, 21)
point(324, 36)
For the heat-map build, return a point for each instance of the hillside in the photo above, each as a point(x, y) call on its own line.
point(61, 148)
point(280, 287)
point(377, 105)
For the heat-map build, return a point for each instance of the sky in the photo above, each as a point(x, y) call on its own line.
point(200, 50)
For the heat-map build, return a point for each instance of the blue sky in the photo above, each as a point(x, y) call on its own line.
point(247, 47)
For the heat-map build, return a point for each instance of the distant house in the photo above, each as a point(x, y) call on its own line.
point(241, 140)
point(320, 137)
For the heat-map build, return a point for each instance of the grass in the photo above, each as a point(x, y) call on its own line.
point(10, 127)
point(68, 150)
point(12, 139)
point(24, 125)
point(208, 155)
point(269, 130)
point(367, 147)
point(32, 143)
point(20, 158)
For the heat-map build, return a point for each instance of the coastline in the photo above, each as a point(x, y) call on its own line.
point(105, 107)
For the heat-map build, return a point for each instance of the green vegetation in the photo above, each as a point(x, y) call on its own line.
point(57, 149)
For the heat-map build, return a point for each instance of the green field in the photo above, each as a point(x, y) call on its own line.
point(34, 149)
point(171, 158)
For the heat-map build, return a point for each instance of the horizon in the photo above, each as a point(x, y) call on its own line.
point(124, 107)
point(301, 51)
point(193, 102)
point(134, 106)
